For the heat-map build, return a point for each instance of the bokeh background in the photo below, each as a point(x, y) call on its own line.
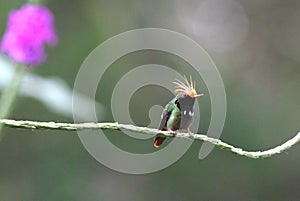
point(255, 45)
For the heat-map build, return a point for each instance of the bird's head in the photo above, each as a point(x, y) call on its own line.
point(186, 92)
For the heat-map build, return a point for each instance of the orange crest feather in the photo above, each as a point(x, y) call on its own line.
point(188, 87)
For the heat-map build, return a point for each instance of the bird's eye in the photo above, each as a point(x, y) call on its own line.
point(177, 103)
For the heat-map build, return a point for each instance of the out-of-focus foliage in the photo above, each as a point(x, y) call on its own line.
point(255, 45)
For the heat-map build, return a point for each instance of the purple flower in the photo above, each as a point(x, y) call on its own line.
point(27, 31)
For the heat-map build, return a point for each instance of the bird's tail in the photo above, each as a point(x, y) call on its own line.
point(158, 141)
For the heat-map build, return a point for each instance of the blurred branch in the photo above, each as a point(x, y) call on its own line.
point(150, 131)
point(10, 93)
point(53, 92)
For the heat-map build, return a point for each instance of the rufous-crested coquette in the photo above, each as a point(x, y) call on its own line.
point(178, 113)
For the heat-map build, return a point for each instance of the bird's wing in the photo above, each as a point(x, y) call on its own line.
point(166, 114)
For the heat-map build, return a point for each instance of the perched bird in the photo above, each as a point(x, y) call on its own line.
point(178, 113)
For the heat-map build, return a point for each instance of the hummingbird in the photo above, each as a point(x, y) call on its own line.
point(178, 113)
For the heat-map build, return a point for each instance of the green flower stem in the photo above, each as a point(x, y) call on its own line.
point(150, 131)
point(9, 94)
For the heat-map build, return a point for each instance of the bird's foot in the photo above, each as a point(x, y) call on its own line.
point(173, 132)
point(191, 134)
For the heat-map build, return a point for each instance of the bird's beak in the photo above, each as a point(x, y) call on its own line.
point(198, 95)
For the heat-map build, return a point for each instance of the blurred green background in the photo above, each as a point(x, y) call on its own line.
point(255, 45)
